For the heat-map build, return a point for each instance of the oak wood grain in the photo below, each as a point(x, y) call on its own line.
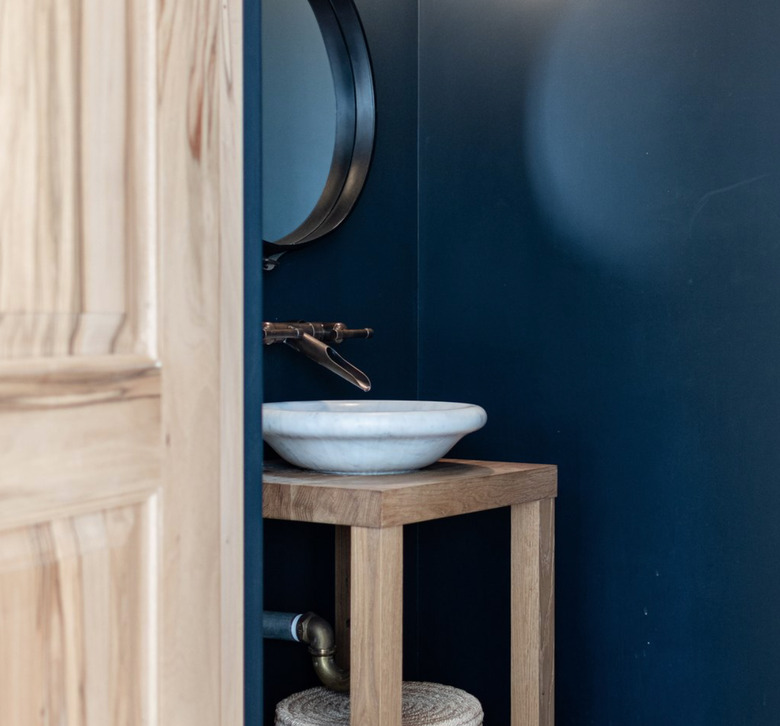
point(445, 489)
point(533, 613)
point(376, 626)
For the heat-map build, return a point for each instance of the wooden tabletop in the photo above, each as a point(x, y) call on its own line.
point(447, 488)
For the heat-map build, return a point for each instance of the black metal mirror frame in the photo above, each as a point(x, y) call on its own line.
point(350, 65)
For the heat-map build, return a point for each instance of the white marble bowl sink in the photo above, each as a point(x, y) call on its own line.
point(367, 437)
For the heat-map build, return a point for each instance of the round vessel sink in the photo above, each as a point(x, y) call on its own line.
point(367, 437)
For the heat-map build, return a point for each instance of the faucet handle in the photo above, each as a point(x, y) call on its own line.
point(340, 332)
point(328, 332)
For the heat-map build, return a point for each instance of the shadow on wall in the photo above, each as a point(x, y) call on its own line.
point(631, 257)
point(655, 160)
point(647, 120)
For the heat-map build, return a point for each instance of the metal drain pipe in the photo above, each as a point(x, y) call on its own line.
point(318, 634)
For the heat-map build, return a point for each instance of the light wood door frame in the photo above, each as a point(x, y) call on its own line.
point(200, 196)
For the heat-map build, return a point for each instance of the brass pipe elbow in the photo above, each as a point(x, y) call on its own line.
point(318, 634)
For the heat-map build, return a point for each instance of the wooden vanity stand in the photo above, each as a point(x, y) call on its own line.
point(370, 512)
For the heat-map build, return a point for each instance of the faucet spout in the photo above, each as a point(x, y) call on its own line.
point(326, 356)
point(312, 340)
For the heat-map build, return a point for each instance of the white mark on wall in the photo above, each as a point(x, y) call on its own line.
point(715, 192)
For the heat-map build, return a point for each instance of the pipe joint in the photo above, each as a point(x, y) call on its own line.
point(318, 634)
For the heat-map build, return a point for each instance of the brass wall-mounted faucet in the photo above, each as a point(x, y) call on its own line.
point(312, 340)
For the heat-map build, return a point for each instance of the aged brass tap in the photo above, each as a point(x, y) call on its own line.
point(330, 332)
point(312, 340)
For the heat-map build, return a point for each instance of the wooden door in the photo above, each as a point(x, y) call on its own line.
point(120, 363)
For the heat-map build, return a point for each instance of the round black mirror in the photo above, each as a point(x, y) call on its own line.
point(318, 119)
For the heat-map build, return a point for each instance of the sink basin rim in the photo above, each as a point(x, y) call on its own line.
point(366, 419)
point(367, 437)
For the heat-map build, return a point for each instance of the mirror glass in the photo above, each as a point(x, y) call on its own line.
point(299, 115)
point(318, 119)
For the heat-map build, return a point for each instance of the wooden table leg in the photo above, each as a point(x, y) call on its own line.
point(533, 610)
point(376, 604)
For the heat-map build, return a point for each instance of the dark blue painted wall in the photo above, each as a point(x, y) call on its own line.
point(253, 367)
point(600, 257)
point(599, 249)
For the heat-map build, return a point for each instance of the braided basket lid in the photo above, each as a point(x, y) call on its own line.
point(423, 704)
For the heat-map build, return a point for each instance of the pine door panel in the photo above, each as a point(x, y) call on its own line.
point(77, 81)
point(87, 642)
point(121, 481)
point(75, 437)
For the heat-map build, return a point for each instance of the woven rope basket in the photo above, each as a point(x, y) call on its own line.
point(423, 704)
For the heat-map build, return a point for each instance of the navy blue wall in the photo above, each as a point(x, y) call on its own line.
point(599, 249)
point(600, 256)
point(253, 367)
